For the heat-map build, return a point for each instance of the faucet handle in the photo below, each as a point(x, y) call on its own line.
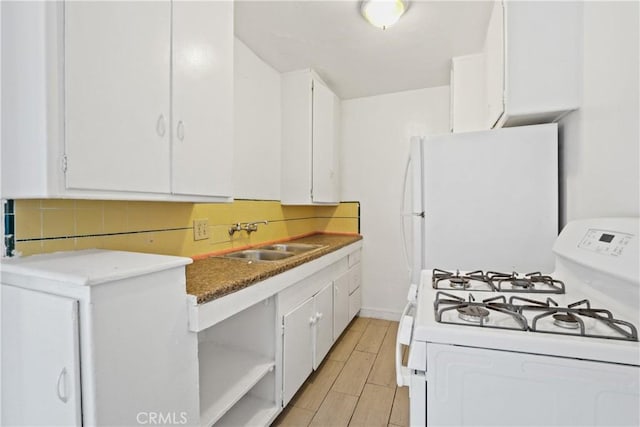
point(235, 227)
point(253, 226)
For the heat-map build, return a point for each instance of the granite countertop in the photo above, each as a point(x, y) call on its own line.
point(216, 276)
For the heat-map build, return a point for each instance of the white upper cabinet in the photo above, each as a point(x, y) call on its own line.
point(117, 98)
point(310, 136)
point(494, 68)
point(134, 100)
point(326, 120)
point(202, 98)
point(532, 53)
point(467, 93)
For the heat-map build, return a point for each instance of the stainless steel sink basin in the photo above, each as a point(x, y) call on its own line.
point(260, 255)
point(296, 248)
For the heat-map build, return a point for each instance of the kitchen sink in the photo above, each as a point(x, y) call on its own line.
point(296, 248)
point(260, 255)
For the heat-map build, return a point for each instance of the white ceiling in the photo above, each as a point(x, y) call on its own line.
point(354, 58)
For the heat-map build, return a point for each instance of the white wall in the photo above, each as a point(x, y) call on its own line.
point(375, 146)
point(600, 156)
point(256, 163)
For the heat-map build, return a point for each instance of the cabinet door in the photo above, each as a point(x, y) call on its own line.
point(117, 95)
point(356, 277)
point(297, 344)
point(297, 156)
point(323, 330)
point(494, 65)
point(40, 359)
point(468, 93)
point(325, 137)
point(202, 98)
point(340, 304)
point(355, 303)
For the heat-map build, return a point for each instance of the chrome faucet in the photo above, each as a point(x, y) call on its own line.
point(249, 227)
point(253, 226)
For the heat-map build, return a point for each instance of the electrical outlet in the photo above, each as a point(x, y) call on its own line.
point(200, 229)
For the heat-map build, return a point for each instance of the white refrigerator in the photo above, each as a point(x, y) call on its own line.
point(483, 200)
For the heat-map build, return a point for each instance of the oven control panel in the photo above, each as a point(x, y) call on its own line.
point(605, 242)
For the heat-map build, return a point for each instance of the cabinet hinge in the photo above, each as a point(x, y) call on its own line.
point(64, 163)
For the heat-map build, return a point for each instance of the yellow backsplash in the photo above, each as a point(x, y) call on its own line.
point(51, 225)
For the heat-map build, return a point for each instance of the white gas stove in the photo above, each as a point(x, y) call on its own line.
point(505, 348)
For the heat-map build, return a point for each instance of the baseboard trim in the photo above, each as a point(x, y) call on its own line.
point(380, 314)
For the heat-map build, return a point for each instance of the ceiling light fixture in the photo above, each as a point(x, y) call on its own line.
point(383, 13)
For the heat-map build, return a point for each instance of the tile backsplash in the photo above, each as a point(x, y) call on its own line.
point(50, 225)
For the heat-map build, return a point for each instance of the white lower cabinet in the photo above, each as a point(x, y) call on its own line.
point(307, 338)
point(40, 359)
point(102, 337)
point(322, 327)
point(355, 303)
point(355, 282)
point(340, 303)
point(297, 343)
point(257, 346)
point(347, 296)
point(237, 375)
point(104, 328)
point(313, 313)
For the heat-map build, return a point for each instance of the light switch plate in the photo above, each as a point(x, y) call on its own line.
point(200, 229)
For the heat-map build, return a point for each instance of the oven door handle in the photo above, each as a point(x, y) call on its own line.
point(403, 337)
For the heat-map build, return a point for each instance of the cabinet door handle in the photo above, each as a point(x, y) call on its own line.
point(61, 386)
point(180, 130)
point(312, 320)
point(160, 125)
point(318, 316)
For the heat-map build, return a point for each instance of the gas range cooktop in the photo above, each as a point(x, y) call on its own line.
point(587, 308)
point(578, 318)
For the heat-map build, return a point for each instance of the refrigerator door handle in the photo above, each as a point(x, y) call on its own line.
point(402, 214)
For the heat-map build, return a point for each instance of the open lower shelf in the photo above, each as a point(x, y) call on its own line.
point(250, 411)
point(226, 375)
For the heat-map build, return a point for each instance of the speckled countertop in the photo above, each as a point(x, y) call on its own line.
point(214, 277)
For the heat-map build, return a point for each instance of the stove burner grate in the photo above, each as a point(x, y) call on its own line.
point(442, 279)
point(573, 317)
point(570, 320)
point(473, 313)
point(530, 283)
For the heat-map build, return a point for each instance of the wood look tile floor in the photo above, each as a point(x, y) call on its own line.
point(356, 383)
